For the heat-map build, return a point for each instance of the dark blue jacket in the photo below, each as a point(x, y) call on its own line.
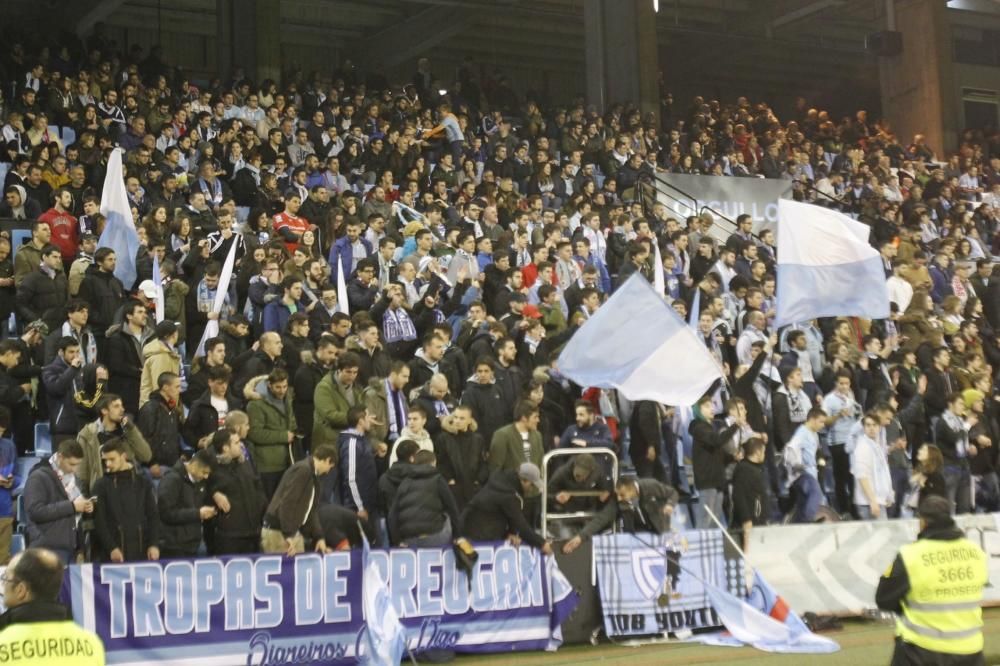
point(343, 251)
point(356, 472)
point(61, 383)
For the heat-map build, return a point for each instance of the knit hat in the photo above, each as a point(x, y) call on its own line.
point(971, 397)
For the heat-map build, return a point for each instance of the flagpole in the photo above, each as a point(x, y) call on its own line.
point(750, 572)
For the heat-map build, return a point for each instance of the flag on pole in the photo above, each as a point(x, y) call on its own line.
point(750, 626)
point(659, 279)
point(385, 638)
point(826, 268)
point(212, 327)
point(637, 344)
point(158, 283)
point(119, 230)
point(695, 313)
point(342, 303)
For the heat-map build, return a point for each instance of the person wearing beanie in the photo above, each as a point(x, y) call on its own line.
point(935, 588)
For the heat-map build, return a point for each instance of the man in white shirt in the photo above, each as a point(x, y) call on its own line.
point(873, 492)
point(899, 288)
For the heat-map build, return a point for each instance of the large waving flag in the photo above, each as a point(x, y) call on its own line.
point(385, 638)
point(750, 626)
point(637, 344)
point(119, 230)
point(826, 268)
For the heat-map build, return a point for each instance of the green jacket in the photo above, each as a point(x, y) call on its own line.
point(174, 298)
point(270, 422)
point(378, 408)
point(330, 409)
point(507, 449)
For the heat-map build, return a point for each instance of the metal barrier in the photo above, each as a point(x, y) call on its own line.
point(562, 453)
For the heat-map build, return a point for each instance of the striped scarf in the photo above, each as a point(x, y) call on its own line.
point(397, 326)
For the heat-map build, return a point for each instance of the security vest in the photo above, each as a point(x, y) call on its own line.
point(942, 612)
point(60, 643)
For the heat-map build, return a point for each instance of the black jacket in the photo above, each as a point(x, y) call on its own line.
point(203, 418)
point(258, 364)
point(489, 407)
point(749, 494)
point(462, 459)
point(125, 516)
point(304, 384)
point(422, 503)
point(11, 392)
point(180, 501)
point(161, 427)
point(646, 430)
point(653, 498)
point(105, 293)
point(497, 511)
point(51, 515)
point(237, 481)
point(61, 383)
point(709, 454)
point(42, 297)
point(124, 360)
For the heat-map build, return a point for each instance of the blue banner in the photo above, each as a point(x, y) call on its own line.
point(651, 584)
point(266, 610)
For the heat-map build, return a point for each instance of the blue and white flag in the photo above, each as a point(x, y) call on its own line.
point(342, 303)
point(750, 626)
point(826, 268)
point(119, 230)
point(385, 637)
point(158, 284)
point(638, 344)
point(695, 313)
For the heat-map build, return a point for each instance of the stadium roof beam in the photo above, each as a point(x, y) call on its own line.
point(97, 12)
point(805, 12)
point(416, 35)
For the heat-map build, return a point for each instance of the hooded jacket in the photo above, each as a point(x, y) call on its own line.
point(61, 382)
point(488, 405)
point(236, 480)
point(25, 209)
point(89, 438)
point(497, 511)
point(462, 460)
point(422, 503)
point(709, 453)
point(271, 419)
point(51, 515)
point(357, 476)
point(125, 516)
point(160, 425)
point(423, 440)
point(330, 407)
point(105, 293)
point(159, 357)
point(42, 295)
point(179, 500)
point(125, 362)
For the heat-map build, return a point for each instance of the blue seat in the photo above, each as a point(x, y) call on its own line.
point(16, 544)
point(68, 136)
point(43, 439)
point(21, 515)
point(22, 468)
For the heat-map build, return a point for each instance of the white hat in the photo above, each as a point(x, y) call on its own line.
point(148, 288)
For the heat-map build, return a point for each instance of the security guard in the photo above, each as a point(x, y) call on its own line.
point(935, 587)
point(37, 630)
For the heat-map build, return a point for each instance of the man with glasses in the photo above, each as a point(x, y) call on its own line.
point(36, 626)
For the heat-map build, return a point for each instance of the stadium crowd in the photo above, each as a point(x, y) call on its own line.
point(475, 231)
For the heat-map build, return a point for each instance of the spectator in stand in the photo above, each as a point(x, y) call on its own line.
point(43, 292)
point(29, 256)
point(272, 427)
point(9, 479)
point(424, 513)
point(126, 523)
point(62, 380)
point(159, 356)
point(53, 502)
point(75, 326)
point(104, 292)
point(112, 422)
point(237, 490)
point(951, 434)
point(63, 225)
point(293, 513)
point(184, 505)
point(357, 477)
point(587, 431)
point(750, 499)
point(710, 450)
point(125, 358)
point(496, 513)
point(159, 421)
point(802, 467)
point(462, 455)
point(873, 493)
point(209, 412)
point(335, 395)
